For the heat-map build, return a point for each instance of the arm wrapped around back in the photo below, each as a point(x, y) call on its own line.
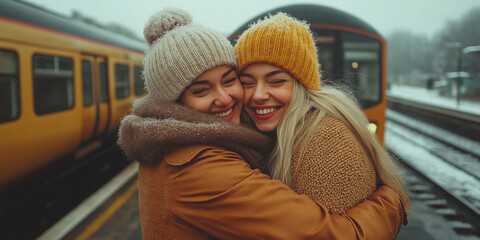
point(203, 191)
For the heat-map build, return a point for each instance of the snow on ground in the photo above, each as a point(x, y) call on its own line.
point(434, 168)
point(410, 147)
point(436, 132)
point(432, 97)
point(414, 153)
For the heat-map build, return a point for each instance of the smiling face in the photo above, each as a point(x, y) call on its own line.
point(217, 91)
point(268, 92)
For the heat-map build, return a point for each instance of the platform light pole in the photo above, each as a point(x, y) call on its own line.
point(467, 50)
point(458, 46)
point(459, 76)
point(464, 51)
point(461, 52)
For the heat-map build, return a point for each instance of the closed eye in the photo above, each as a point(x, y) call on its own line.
point(231, 80)
point(278, 81)
point(199, 91)
point(248, 83)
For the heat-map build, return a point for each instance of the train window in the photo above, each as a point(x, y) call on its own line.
point(52, 83)
point(9, 88)
point(87, 83)
point(103, 82)
point(138, 80)
point(362, 65)
point(122, 81)
point(325, 43)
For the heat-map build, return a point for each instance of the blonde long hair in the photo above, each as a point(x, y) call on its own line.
point(295, 127)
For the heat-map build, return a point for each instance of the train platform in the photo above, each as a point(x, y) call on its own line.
point(116, 216)
point(425, 224)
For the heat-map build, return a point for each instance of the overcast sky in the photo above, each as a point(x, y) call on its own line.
point(418, 16)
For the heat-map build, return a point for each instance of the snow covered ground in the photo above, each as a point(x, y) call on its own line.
point(460, 142)
point(409, 147)
point(423, 153)
point(432, 97)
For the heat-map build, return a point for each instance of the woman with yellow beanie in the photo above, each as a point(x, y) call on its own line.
point(323, 147)
point(198, 176)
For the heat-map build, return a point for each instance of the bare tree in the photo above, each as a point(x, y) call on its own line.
point(410, 53)
point(464, 31)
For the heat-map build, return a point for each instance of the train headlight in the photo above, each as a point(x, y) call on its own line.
point(372, 127)
point(355, 65)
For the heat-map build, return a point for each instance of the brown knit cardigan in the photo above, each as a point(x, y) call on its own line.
point(335, 168)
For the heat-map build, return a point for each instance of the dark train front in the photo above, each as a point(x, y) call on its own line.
point(64, 86)
point(350, 53)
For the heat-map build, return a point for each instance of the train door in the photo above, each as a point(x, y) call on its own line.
point(95, 96)
point(103, 98)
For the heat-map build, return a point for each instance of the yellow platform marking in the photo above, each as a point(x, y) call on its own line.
point(98, 223)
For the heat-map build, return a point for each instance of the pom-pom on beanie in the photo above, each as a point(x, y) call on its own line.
point(179, 52)
point(283, 41)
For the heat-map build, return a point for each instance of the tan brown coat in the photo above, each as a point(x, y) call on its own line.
point(203, 192)
point(195, 182)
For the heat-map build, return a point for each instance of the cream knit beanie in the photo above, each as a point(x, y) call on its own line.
point(179, 52)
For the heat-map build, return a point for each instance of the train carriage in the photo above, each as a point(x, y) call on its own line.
point(64, 86)
point(350, 53)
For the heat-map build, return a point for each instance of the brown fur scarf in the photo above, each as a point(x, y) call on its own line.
point(156, 128)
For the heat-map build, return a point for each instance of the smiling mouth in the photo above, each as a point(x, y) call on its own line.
point(226, 113)
point(265, 111)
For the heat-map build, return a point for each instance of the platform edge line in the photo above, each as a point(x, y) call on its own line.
point(66, 224)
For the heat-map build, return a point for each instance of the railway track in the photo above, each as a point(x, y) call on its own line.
point(442, 169)
point(422, 189)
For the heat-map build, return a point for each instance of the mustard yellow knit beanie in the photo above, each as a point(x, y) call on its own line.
point(179, 52)
point(283, 41)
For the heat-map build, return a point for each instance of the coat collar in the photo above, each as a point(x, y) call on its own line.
point(184, 155)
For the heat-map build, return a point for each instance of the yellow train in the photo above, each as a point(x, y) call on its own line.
point(64, 87)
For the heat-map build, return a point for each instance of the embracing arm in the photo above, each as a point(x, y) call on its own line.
point(221, 195)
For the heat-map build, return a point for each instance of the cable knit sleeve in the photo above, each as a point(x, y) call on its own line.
point(334, 169)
